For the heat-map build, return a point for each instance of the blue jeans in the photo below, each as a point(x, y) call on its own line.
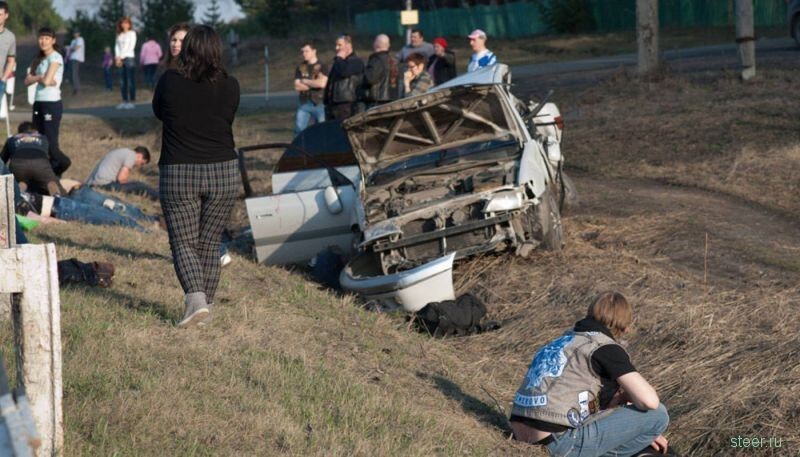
point(85, 194)
point(128, 82)
point(304, 113)
point(71, 210)
point(108, 76)
point(620, 433)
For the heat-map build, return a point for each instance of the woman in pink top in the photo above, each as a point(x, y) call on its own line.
point(149, 56)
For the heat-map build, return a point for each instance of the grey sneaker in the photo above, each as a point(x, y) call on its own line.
point(208, 318)
point(196, 309)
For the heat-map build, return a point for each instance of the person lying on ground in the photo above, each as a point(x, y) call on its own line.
point(417, 81)
point(582, 395)
point(67, 209)
point(86, 194)
point(26, 154)
point(112, 172)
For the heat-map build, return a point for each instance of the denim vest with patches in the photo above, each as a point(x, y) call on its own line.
point(560, 386)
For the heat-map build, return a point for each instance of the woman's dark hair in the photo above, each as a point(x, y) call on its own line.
point(201, 55)
point(121, 21)
point(416, 58)
point(172, 62)
point(44, 31)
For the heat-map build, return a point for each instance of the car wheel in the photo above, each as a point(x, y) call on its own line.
point(549, 218)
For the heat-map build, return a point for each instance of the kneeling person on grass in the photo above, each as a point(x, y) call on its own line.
point(113, 171)
point(29, 160)
point(581, 395)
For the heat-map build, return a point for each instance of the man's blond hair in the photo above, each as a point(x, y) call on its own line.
point(612, 310)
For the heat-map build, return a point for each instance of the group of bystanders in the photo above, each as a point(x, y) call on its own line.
point(349, 86)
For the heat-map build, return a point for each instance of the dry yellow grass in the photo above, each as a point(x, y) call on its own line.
point(288, 368)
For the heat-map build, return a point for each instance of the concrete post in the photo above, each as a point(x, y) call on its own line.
point(745, 38)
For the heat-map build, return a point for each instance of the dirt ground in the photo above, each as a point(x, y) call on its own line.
point(688, 206)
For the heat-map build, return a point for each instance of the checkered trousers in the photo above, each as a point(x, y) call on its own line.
point(197, 200)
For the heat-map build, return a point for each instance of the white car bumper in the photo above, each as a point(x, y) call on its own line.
point(411, 289)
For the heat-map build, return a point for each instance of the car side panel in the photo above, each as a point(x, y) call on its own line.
point(291, 228)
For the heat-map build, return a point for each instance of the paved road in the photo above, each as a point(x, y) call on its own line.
point(527, 77)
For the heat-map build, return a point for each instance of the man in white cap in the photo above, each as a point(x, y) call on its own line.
point(481, 57)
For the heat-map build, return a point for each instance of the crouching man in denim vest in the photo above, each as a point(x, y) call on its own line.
point(582, 396)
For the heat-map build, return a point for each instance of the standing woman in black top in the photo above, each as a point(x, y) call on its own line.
point(199, 178)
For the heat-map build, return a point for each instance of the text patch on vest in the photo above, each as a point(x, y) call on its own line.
point(527, 401)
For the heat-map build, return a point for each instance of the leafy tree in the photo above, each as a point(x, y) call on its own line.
point(276, 18)
point(109, 13)
point(213, 16)
point(160, 15)
point(566, 16)
point(31, 15)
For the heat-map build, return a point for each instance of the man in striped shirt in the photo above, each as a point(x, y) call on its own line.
point(482, 56)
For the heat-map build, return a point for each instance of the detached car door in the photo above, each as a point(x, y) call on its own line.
point(306, 212)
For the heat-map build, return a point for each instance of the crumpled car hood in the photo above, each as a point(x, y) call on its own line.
point(444, 118)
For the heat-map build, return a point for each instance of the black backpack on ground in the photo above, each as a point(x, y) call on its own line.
point(73, 271)
point(454, 317)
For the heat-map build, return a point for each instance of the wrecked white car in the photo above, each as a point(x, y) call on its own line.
point(462, 170)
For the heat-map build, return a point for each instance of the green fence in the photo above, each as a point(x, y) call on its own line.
point(519, 19)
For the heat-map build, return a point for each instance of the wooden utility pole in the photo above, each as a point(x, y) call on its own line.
point(647, 36)
point(745, 38)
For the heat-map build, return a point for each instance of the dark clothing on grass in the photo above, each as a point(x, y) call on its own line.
point(29, 160)
point(197, 119)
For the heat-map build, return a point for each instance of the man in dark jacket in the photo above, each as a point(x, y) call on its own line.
point(380, 77)
point(442, 64)
point(29, 160)
point(344, 81)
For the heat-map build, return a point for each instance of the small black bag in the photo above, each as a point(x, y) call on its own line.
point(453, 317)
point(73, 271)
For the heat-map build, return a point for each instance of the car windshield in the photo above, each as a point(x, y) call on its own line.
point(498, 149)
point(327, 142)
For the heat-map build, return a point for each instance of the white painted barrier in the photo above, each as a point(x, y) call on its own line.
point(29, 273)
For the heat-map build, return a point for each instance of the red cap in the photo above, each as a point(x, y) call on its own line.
point(441, 42)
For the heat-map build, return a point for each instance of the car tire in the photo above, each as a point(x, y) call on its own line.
point(549, 217)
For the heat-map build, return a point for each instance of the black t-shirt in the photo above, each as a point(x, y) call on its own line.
point(197, 117)
point(25, 146)
point(609, 362)
point(311, 71)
